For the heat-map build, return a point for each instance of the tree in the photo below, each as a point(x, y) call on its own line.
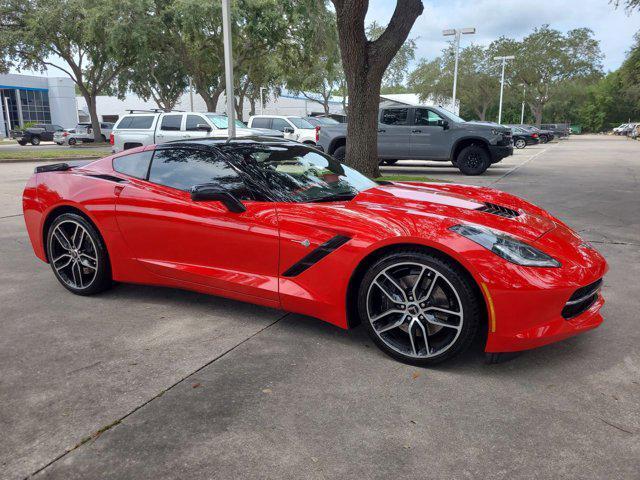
point(545, 58)
point(95, 41)
point(397, 70)
point(365, 62)
point(478, 85)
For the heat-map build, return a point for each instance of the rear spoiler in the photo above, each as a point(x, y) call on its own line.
point(62, 167)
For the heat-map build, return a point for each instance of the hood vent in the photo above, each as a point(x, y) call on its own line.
point(499, 210)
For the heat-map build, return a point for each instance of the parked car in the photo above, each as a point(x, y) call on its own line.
point(545, 136)
point(65, 137)
point(618, 130)
point(429, 133)
point(84, 131)
point(153, 127)
point(560, 130)
point(628, 128)
point(294, 128)
point(41, 132)
point(522, 138)
point(424, 267)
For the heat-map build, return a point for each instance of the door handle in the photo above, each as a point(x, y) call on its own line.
point(416, 131)
point(382, 130)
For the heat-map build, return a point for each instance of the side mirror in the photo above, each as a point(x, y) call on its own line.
point(212, 193)
point(288, 130)
point(203, 127)
point(444, 124)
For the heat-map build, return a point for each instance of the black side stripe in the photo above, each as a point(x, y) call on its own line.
point(105, 176)
point(316, 255)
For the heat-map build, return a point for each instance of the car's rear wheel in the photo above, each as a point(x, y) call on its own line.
point(72, 141)
point(418, 308)
point(473, 160)
point(103, 138)
point(544, 139)
point(520, 143)
point(23, 143)
point(340, 153)
point(35, 140)
point(78, 255)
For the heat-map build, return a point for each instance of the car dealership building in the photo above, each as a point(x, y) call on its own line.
point(40, 99)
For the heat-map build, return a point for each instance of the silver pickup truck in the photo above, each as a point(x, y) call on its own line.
point(428, 133)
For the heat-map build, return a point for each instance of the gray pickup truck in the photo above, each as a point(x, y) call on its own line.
point(428, 133)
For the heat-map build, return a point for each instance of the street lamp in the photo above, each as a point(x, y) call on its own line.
point(456, 46)
point(504, 62)
point(262, 89)
point(524, 96)
point(228, 68)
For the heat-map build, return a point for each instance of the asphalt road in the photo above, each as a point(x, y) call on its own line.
point(183, 385)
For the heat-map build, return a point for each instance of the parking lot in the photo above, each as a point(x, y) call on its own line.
point(144, 382)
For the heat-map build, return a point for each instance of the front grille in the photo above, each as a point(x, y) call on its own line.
point(581, 300)
point(499, 210)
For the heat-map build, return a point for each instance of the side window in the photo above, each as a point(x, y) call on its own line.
point(395, 116)
point(261, 123)
point(279, 124)
point(142, 122)
point(193, 121)
point(125, 123)
point(183, 169)
point(171, 122)
point(135, 165)
point(424, 116)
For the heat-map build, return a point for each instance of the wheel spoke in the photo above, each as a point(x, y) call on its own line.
point(386, 293)
point(77, 267)
point(414, 290)
point(384, 314)
point(78, 241)
point(431, 287)
point(86, 263)
point(417, 322)
point(443, 310)
point(434, 321)
point(60, 257)
point(395, 284)
point(395, 324)
point(62, 238)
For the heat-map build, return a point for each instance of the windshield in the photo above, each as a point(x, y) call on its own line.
point(221, 121)
point(298, 173)
point(299, 122)
point(327, 121)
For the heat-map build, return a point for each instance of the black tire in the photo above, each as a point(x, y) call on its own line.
point(104, 139)
point(544, 139)
point(72, 141)
point(469, 301)
point(91, 243)
point(23, 143)
point(520, 143)
point(340, 153)
point(473, 160)
point(35, 141)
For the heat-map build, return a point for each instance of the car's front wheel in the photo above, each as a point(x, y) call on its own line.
point(78, 255)
point(35, 140)
point(418, 308)
point(72, 141)
point(340, 153)
point(473, 160)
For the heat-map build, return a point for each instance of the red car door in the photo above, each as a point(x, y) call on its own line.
point(200, 242)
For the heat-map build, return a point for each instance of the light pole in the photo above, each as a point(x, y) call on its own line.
point(228, 68)
point(456, 46)
point(504, 62)
point(524, 96)
point(262, 89)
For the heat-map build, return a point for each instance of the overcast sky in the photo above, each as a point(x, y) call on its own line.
point(513, 18)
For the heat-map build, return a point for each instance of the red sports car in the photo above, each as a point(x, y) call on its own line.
point(424, 266)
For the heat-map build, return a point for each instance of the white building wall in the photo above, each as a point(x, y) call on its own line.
point(62, 101)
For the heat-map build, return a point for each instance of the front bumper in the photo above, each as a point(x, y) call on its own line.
point(498, 152)
point(528, 302)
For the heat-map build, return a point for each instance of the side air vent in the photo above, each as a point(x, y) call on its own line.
point(581, 300)
point(499, 210)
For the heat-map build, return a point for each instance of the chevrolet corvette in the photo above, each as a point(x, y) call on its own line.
point(424, 266)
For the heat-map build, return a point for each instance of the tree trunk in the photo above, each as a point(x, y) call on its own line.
point(536, 110)
point(93, 113)
point(210, 98)
point(364, 65)
point(252, 103)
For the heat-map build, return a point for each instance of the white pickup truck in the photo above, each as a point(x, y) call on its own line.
point(148, 128)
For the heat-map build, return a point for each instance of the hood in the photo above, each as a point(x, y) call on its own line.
point(487, 126)
point(460, 204)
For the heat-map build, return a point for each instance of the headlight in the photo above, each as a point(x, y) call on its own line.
point(494, 131)
point(505, 246)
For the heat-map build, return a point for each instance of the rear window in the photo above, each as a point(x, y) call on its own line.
point(139, 121)
point(300, 122)
point(135, 164)
point(171, 122)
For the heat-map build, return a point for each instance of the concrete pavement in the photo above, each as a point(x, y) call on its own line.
point(190, 386)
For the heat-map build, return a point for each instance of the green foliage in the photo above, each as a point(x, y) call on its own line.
point(398, 69)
